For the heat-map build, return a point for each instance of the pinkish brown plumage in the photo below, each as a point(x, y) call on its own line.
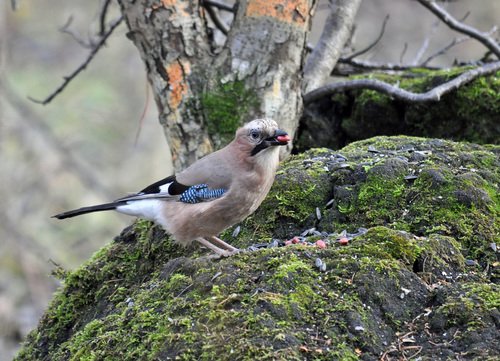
point(214, 193)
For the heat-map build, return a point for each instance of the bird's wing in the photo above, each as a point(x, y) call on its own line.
point(216, 169)
point(170, 188)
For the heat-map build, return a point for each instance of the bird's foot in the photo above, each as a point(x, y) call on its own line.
point(224, 245)
point(221, 252)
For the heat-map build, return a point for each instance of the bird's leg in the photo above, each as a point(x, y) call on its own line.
point(221, 252)
point(221, 243)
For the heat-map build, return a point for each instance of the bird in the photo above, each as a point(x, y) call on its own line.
point(212, 194)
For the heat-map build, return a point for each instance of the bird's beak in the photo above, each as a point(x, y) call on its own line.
point(280, 137)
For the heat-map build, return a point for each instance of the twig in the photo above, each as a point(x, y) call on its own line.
point(82, 67)
point(425, 43)
point(220, 5)
point(403, 53)
point(465, 16)
point(102, 17)
point(365, 66)
point(335, 33)
point(370, 47)
point(219, 23)
point(442, 51)
point(434, 94)
point(143, 115)
point(454, 24)
point(66, 30)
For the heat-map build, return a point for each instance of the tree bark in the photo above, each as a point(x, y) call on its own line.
point(336, 32)
point(203, 94)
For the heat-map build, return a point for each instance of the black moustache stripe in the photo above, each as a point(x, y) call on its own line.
point(261, 146)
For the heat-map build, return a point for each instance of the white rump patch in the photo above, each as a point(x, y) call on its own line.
point(146, 208)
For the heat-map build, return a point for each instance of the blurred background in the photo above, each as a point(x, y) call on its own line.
point(93, 143)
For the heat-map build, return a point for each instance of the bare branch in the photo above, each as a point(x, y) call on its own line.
point(454, 24)
point(365, 66)
point(65, 29)
point(465, 16)
point(335, 33)
point(221, 25)
point(220, 5)
point(102, 17)
point(442, 51)
point(370, 47)
point(425, 43)
point(403, 52)
point(432, 95)
point(82, 67)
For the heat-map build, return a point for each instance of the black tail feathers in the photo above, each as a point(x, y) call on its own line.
point(83, 210)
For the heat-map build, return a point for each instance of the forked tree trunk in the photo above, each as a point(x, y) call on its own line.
point(203, 94)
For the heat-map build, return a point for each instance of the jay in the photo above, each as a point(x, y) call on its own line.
point(216, 192)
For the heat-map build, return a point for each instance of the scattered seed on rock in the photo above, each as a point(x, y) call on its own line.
point(236, 231)
point(411, 177)
point(471, 262)
point(318, 262)
point(320, 244)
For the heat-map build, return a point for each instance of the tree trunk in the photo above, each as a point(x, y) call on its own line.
point(203, 93)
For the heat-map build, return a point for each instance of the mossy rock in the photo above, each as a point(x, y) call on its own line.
point(471, 113)
point(431, 211)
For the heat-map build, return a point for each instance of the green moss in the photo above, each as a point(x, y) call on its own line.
point(191, 313)
point(449, 195)
point(225, 108)
point(143, 297)
point(468, 305)
point(299, 189)
point(482, 95)
point(387, 243)
point(386, 194)
point(470, 113)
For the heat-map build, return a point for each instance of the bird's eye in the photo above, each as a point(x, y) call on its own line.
point(254, 134)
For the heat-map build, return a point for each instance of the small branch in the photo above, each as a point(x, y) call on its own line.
point(434, 94)
point(220, 5)
point(66, 30)
point(425, 44)
point(364, 65)
point(403, 53)
point(454, 24)
point(102, 17)
point(442, 51)
point(82, 67)
point(372, 45)
point(219, 23)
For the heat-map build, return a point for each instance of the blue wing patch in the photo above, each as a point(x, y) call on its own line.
point(199, 193)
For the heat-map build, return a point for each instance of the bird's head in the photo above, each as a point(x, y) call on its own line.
point(261, 134)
